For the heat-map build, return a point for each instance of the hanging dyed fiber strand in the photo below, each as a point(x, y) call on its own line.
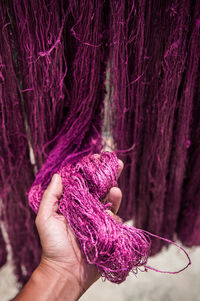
point(81, 123)
point(152, 102)
point(38, 29)
point(16, 174)
point(53, 92)
point(188, 226)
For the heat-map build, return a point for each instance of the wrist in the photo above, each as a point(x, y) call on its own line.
point(58, 283)
point(81, 274)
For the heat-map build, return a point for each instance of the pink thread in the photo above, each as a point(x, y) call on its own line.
point(170, 242)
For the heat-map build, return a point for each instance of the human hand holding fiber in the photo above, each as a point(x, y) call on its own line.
point(63, 272)
point(61, 250)
point(114, 248)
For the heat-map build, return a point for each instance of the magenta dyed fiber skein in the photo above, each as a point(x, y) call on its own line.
point(115, 248)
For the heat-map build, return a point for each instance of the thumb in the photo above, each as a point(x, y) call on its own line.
point(51, 196)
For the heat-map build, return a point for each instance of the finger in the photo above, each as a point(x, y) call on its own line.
point(115, 197)
point(51, 196)
point(121, 166)
point(116, 217)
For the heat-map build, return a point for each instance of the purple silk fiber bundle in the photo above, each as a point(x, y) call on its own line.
point(115, 249)
point(154, 64)
point(38, 28)
point(16, 173)
point(188, 227)
point(53, 57)
point(62, 52)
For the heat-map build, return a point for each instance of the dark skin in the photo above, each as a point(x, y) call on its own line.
point(63, 273)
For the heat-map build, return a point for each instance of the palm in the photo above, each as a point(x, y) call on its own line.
point(60, 246)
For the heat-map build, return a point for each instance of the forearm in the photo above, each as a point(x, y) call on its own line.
point(48, 283)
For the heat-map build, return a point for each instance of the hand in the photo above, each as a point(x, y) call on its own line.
point(61, 250)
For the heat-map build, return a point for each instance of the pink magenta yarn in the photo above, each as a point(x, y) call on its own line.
point(115, 249)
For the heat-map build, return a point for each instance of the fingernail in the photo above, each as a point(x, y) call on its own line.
point(54, 178)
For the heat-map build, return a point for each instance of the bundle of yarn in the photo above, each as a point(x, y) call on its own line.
point(115, 248)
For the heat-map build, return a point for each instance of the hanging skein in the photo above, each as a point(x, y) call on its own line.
point(188, 227)
point(186, 118)
point(53, 58)
point(63, 61)
point(154, 63)
point(16, 174)
point(38, 29)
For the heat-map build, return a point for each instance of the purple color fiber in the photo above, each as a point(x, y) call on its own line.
point(115, 248)
point(188, 226)
point(52, 86)
point(154, 67)
point(62, 66)
point(16, 174)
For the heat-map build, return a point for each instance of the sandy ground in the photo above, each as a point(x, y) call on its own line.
point(153, 286)
point(150, 286)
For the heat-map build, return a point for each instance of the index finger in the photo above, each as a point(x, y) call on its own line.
point(121, 166)
point(51, 196)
